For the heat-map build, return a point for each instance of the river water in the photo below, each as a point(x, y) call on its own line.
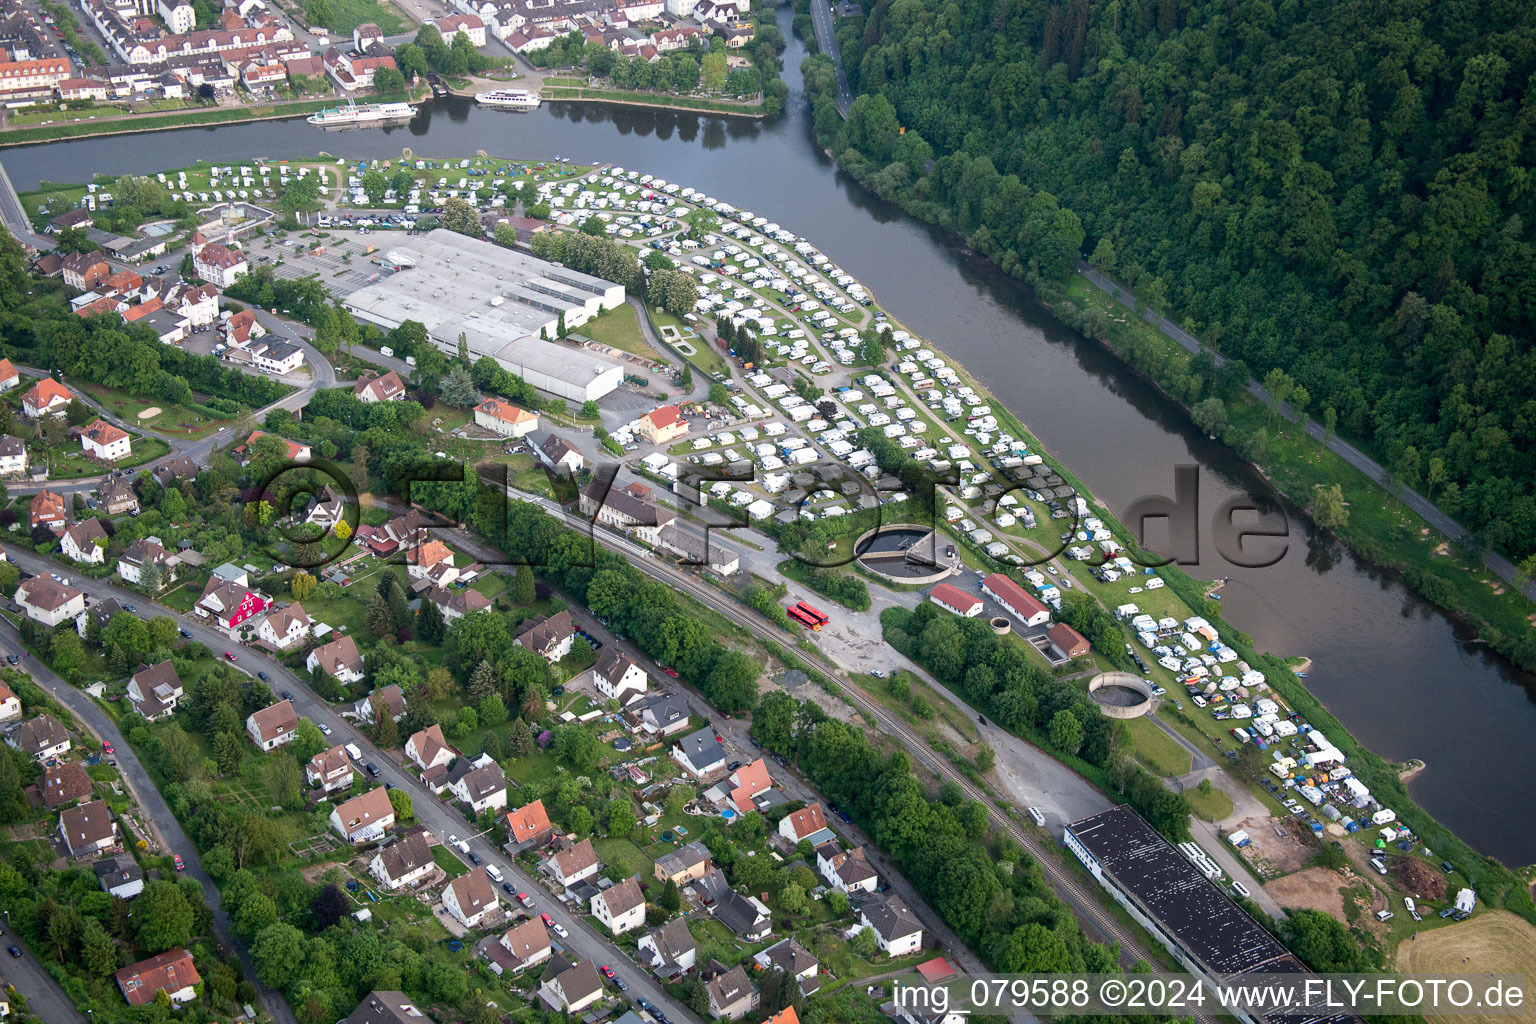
point(1397, 672)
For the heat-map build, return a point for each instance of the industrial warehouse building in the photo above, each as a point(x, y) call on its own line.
point(500, 300)
point(1194, 920)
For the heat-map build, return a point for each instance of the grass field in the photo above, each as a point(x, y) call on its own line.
point(1157, 750)
point(1212, 806)
point(342, 16)
point(179, 420)
point(1493, 941)
point(620, 328)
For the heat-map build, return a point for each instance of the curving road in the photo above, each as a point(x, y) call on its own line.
point(135, 776)
point(1426, 510)
point(826, 39)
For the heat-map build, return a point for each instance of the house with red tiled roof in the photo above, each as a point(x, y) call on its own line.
point(528, 826)
point(46, 398)
point(427, 749)
point(296, 452)
point(1015, 599)
point(365, 818)
point(505, 418)
point(273, 726)
point(806, 823)
point(9, 378)
point(229, 605)
point(219, 264)
point(105, 442)
point(384, 388)
point(47, 509)
point(956, 601)
point(662, 425)
point(171, 972)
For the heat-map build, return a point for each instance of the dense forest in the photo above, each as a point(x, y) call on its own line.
point(1340, 190)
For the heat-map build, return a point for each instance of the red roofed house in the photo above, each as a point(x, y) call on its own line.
point(239, 330)
point(428, 748)
point(364, 818)
point(219, 264)
point(106, 443)
point(171, 972)
point(952, 599)
point(296, 452)
point(803, 824)
point(431, 560)
point(387, 388)
point(228, 604)
point(46, 398)
point(1016, 599)
point(505, 418)
point(47, 509)
point(9, 378)
point(528, 825)
point(1068, 640)
point(662, 425)
point(353, 71)
point(747, 782)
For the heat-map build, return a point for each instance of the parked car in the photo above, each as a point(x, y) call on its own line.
point(13, 950)
point(286, 695)
point(549, 922)
point(231, 655)
point(11, 659)
point(559, 929)
point(607, 971)
point(184, 634)
point(527, 901)
point(176, 859)
point(372, 768)
point(264, 677)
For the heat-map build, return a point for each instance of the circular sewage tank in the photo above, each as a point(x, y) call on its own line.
point(1121, 694)
point(903, 553)
point(1000, 625)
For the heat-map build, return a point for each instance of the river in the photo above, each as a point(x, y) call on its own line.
point(1401, 675)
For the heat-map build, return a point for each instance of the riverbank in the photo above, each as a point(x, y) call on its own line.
point(134, 123)
point(567, 94)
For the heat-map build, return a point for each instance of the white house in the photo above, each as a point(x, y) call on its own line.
point(122, 877)
point(285, 628)
point(505, 418)
point(43, 599)
point(277, 357)
point(85, 542)
point(897, 929)
point(572, 864)
point(155, 691)
point(338, 659)
point(105, 442)
point(364, 819)
point(621, 908)
point(88, 828)
point(10, 704)
point(330, 770)
point(273, 726)
point(847, 871)
point(700, 753)
point(482, 788)
point(521, 947)
point(470, 899)
point(428, 749)
point(39, 738)
point(219, 265)
point(570, 988)
point(806, 823)
point(669, 950)
point(461, 24)
point(548, 635)
point(13, 456)
point(403, 863)
point(134, 563)
point(617, 677)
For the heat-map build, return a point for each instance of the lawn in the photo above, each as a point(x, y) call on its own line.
point(620, 328)
point(448, 861)
point(1212, 806)
point(346, 15)
point(178, 420)
point(1157, 750)
point(621, 851)
point(1494, 940)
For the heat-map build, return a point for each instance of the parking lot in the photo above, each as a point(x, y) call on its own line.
point(343, 266)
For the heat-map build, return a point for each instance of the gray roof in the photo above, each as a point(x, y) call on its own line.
point(672, 940)
point(702, 749)
point(739, 914)
point(667, 709)
point(387, 1008)
point(890, 917)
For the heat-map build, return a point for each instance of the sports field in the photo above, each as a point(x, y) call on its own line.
point(1493, 941)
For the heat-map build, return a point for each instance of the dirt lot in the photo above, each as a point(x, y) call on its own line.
point(1312, 889)
point(1271, 854)
point(1493, 941)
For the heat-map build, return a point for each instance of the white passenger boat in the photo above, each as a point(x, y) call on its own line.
point(508, 99)
point(352, 115)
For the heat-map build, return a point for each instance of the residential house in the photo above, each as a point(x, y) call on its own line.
point(625, 510)
point(462, 24)
point(666, 716)
point(338, 659)
point(455, 604)
point(550, 636)
point(381, 1007)
point(64, 784)
point(572, 863)
point(528, 826)
point(10, 704)
point(683, 864)
point(83, 271)
point(621, 907)
point(9, 377)
point(521, 947)
point(617, 677)
point(669, 950)
point(702, 548)
point(155, 691)
point(104, 442)
point(240, 329)
point(229, 605)
point(1067, 640)
point(897, 929)
point(171, 972)
point(85, 542)
point(177, 469)
point(76, 218)
point(731, 995)
point(404, 862)
point(273, 726)
point(470, 898)
point(116, 493)
point(99, 613)
point(432, 560)
point(505, 418)
point(383, 388)
point(219, 264)
point(393, 701)
point(806, 823)
point(133, 565)
point(325, 509)
point(364, 819)
point(662, 425)
point(747, 784)
point(330, 770)
point(559, 454)
point(276, 357)
point(847, 871)
point(354, 71)
point(399, 532)
point(428, 749)
point(1015, 599)
point(44, 599)
point(120, 876)
point(88, 829)
point(747, 916)
point(47, 509)
point(570, 988)
point(285, 628)
point(39, 738)
point(700, 753)
point(296, 452)
point(482, 788)
point(13, 456)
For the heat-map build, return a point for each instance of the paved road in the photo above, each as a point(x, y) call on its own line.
point(134, 775)
point(45, 999)
point(15, 217)
point(441, 818)
point(1503, 567)
point(826, 39)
